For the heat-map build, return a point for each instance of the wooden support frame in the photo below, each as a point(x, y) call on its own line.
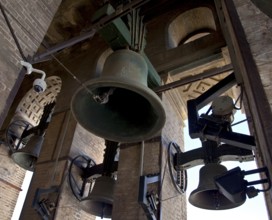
point(206, 49)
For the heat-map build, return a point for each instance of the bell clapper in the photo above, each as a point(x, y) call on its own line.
point(102, 97)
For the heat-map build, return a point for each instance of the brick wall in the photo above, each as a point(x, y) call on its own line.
point(126, 189)
point(30, 21)
point(173, 203)
point(84, 143)
point(257, 27)
point(50, 167)
point(64, 140)
point(11, 179)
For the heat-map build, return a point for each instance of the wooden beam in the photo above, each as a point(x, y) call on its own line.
point(257, 99)
point(189, 54)
point(194, 78)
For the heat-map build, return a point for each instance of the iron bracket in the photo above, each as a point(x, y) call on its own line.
point(211, 152)
point(145, 199)
point(233, 185)
point(202, 127)
point(43, 206)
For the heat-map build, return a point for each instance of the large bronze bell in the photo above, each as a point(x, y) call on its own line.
point(100, 200)
point(207, 195)
point(27, 156)
point(118, 106)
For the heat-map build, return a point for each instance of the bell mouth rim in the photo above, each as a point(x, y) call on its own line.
point(219, 208)
point(14, 157)
point(120, 82)
point(124, 84)
point(194, 201)
point(89, 203)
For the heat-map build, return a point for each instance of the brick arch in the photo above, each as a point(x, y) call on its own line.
point(192, 22)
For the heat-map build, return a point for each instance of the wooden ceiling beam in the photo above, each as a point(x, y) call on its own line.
point(193, 53)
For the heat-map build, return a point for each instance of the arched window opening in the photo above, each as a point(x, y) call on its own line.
point(190, 25)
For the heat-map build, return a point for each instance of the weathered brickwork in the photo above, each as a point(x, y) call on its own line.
point(87, 144)
point(69, 207)
point(84, 143)
point(30, 21)
point(258, 30)
point(11, 178)
point(63, 141)
point(126, 191)
point(50, 167)
point(173, 203)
